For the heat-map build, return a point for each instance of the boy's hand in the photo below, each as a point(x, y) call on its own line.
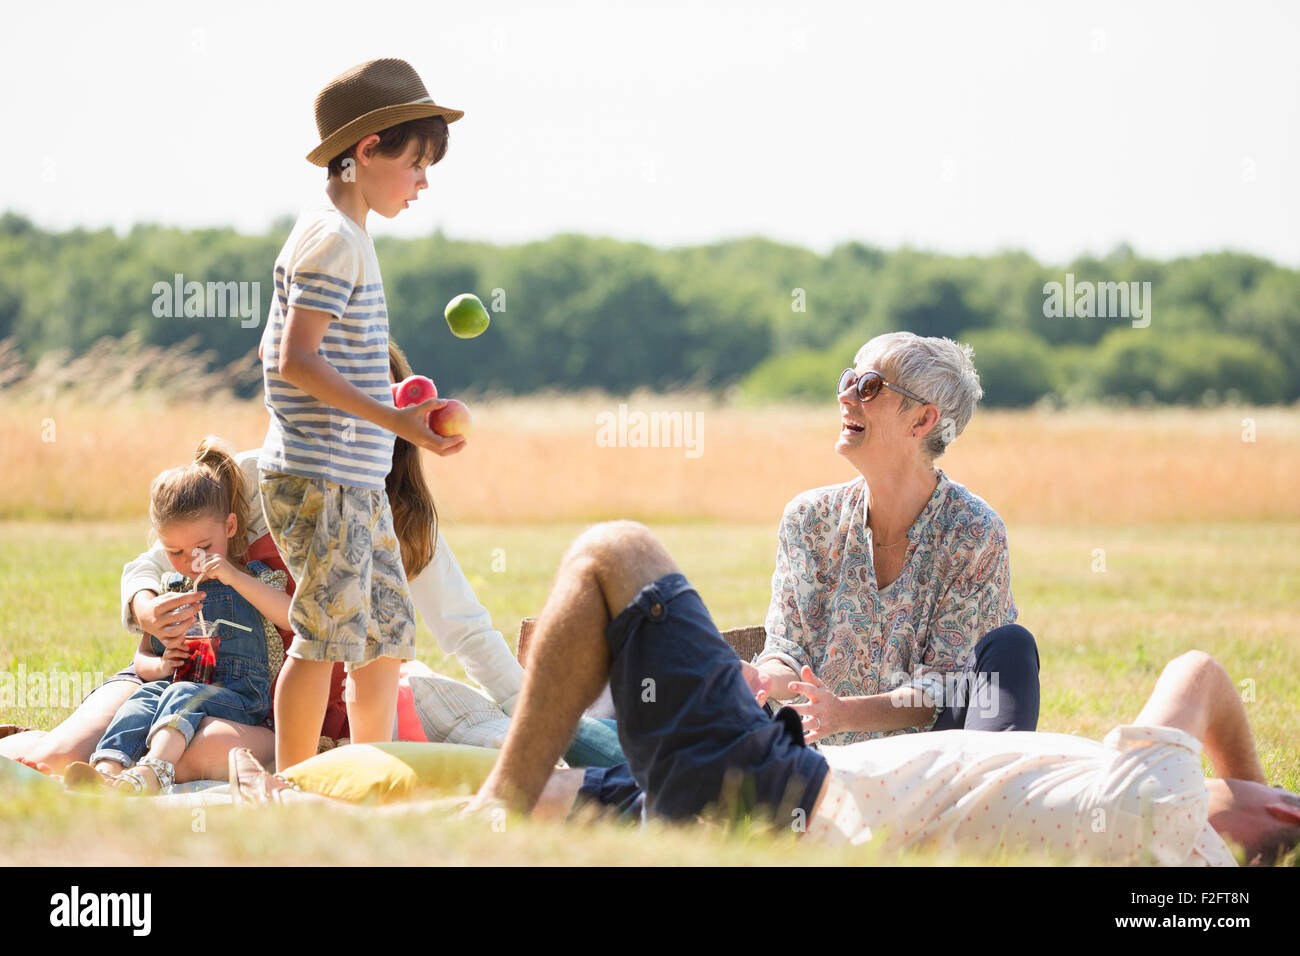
point(412, 424)
point(303, 366)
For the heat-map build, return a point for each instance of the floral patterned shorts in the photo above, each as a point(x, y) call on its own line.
point(352, 601)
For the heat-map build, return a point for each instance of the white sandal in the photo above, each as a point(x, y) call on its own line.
point(164, 771)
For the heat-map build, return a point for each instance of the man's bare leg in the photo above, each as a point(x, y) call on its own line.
point(1195, 694)
point(568, 661)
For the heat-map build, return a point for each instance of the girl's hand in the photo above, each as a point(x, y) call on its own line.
point(216, 567)
point(151, 668)
point(167, 616)
point(174, 656)
point(823, 715)
point(413, 425)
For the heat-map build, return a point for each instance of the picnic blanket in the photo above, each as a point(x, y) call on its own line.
point(354, 773)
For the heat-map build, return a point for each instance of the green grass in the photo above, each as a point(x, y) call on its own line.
point(1103, 636)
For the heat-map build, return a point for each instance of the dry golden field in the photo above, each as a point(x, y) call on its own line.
point(537, 460)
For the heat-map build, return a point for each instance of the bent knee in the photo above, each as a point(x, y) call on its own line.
point(1013, 637)
point(1196, 662)
point(601, 540)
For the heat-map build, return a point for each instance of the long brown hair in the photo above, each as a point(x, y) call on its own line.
point(211, 486)
point(415, 516)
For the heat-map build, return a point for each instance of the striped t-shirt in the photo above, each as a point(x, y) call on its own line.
point(328, 263)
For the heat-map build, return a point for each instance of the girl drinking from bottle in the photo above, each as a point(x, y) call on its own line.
point(200, 516)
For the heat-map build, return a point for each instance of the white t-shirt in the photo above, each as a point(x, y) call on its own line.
point(1139, 797)
point(328, 263)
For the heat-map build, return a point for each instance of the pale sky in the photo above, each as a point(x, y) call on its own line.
point(963, 127)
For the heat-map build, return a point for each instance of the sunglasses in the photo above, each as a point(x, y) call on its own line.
point(869, 385)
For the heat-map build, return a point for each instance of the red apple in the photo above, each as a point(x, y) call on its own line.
point(452, 419)
point(413, 391)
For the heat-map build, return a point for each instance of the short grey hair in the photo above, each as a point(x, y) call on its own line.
point(939, 370)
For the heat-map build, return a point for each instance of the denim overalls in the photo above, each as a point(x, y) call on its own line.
point(240, 690)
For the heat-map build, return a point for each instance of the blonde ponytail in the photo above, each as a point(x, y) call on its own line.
point(211, 486)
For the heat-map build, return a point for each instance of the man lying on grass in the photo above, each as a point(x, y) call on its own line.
point(698, 739)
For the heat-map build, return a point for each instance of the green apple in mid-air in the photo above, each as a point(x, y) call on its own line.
point(466, 316)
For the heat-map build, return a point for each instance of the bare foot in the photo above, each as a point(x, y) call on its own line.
point(80, 775)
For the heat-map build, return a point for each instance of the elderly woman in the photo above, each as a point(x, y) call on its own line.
point(891, 600)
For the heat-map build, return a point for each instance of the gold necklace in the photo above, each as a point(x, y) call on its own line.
point(904, 539)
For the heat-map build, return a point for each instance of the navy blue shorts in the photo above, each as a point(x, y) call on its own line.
point(695, 739)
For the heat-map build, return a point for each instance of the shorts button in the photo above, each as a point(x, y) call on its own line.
point(656, 610)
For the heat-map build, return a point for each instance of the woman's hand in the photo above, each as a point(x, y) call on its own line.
point(166, 616)
point(412, 424)
point(824, 714)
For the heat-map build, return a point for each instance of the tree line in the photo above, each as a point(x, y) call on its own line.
point(772, 321)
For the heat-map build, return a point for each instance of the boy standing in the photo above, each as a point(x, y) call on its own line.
point(329, 446)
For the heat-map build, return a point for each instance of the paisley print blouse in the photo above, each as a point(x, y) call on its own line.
point(827, 611)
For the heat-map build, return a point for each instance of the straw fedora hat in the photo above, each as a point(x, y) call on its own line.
point(369, 98)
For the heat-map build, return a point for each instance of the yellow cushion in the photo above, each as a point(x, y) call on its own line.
point(401, 770)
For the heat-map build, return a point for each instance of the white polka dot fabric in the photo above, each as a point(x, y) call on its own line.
point(1137, 798)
